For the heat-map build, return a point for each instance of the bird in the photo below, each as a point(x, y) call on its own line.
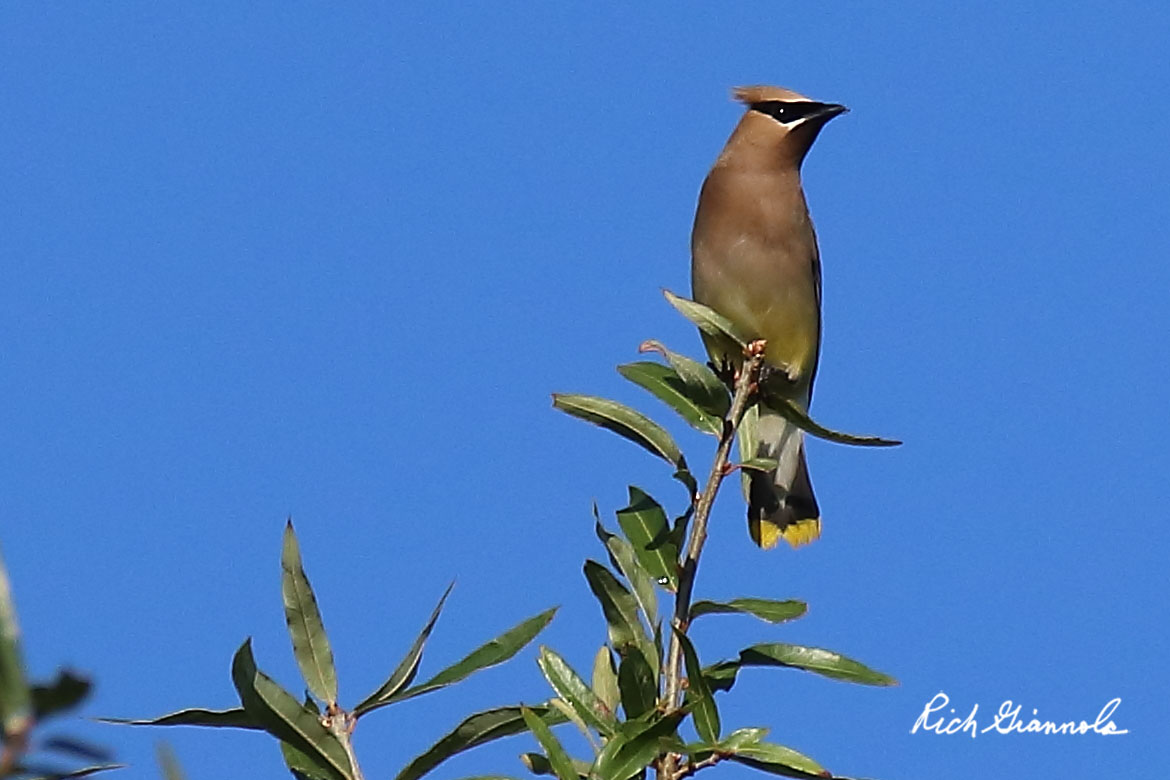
point(755, 260)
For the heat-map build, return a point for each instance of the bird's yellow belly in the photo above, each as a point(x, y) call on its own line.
point(785, 316)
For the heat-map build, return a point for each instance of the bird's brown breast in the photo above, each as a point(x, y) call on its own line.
point(754, 260)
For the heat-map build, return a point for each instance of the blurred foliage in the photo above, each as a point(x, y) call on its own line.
point(27, 753)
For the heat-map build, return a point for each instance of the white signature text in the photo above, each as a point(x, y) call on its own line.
point(1007, 720)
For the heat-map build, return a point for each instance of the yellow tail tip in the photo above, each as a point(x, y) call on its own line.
point(767, 534)
point(802, 532)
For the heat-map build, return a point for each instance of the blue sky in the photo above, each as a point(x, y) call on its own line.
point(329, 260)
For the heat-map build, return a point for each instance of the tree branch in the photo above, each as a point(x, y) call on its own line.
point(746, 384)
point(689, 768)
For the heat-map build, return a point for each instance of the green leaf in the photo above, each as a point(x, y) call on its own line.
point(222, 719)
point(488, 654)
point(813, 659)
point(302, 765)
point(759, 464)
point(404, 674)
point(64, 693)
point(475, 730)
point(688, 480)
point(702, 384)
point(625, 558)
point(703, 709)
point(638, 684)
point(742, 737)
point(706, 319)
point(284, 717)
point(538, 764)
point(567, 710)
point(605, 679)
point(570, 687)
point(628, 753)
point(621, 613)
point(806, 423)
point(168, 762)
point(721, 676)
point(310, 643)
point(778, 760)
point(764, 609)
point(562, 764)
point(623, 421)
point(16, 705)
point(664, 383)
point(644, 524)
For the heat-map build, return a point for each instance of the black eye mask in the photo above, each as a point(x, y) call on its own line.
point(787, 112)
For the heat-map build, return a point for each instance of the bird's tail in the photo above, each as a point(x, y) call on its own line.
point(781, 504)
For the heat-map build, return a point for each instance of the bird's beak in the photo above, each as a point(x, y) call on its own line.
point(829, 110)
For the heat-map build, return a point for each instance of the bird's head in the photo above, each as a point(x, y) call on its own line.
point(783, 119)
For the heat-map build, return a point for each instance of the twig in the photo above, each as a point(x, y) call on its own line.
point(745, 386)
point(689, 768)
point(342, 723)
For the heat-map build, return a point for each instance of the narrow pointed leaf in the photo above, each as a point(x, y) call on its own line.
point(813, 659)
point(664, 383)
point(778, 760)
point(702, 384)
point(16, 704)
point(538, 764)
point(473, 731)
point(623, 555)
point(806, 423)
point(574, 690)
point(64, 693)
point(567, 710)
point(621, 613)
point(562, 764)
point(488, 654)
point(644, 524)
point(310, 643)
point(629, 753)
point(748, 440)
point(622, 420)
point(284, 717)
point(404, 674)
point(221, 719)
point(742, 737)
point(605, 679)
point(703, 709)
point(637, 683)
point(706, 319)
point(168, 762)
point(688, 480)
point(764, 609)
point(721, 676)
point(302, 765)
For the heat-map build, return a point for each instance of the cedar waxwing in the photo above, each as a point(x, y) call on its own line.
point(754, 259)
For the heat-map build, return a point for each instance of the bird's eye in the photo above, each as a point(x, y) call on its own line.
point(782, 111)
point(777, 109)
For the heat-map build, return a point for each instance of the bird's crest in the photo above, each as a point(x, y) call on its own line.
point(761, 93)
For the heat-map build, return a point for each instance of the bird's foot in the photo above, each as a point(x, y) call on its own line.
point(781, 372)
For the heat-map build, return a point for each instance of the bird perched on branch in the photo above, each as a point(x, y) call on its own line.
point(754, 259)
